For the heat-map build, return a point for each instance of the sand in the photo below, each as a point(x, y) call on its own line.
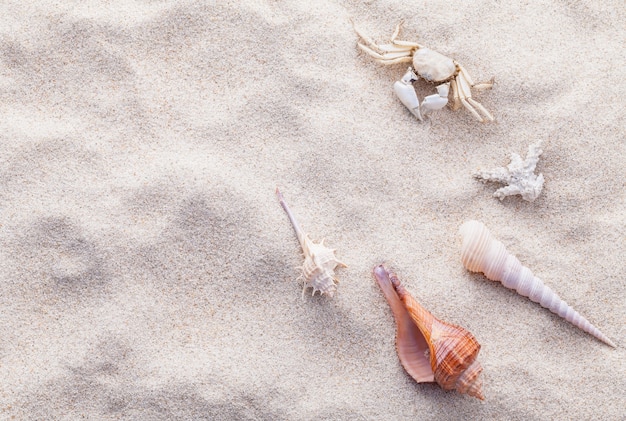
point(147, 270)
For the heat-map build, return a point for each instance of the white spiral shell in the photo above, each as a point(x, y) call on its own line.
point(481, 252)
point(318, 269)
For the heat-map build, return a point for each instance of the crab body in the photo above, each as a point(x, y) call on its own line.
point(442, 71)
point(433, 66)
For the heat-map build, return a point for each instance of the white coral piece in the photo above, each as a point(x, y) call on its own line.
point(519, 176)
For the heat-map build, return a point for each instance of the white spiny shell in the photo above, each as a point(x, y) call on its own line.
point(482, 253)
point(318, 269)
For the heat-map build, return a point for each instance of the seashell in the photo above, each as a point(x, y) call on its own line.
point(483, 253)
point(318, 269)
point(430, 349)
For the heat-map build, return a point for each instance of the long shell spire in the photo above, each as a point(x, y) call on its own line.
point(482, 253)
point(318, 269)
point(302, 237)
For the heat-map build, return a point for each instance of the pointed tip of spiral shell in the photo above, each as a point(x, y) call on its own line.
point(603, 338)
point(609, 342)
point(471, 381)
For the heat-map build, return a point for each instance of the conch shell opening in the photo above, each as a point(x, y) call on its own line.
point(428, 348)
point(481, 252)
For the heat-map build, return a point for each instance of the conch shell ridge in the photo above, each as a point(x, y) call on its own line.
point(481, 252)
point(318, 269)
point(430, 349)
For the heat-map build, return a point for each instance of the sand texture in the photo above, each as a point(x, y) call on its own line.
point(148, 272)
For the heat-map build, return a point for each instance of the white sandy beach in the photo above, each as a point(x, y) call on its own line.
point(148, 272)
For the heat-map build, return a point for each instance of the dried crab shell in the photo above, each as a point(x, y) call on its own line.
point(428, 348)
point(318, 269)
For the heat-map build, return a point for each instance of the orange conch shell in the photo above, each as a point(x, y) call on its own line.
point(430, 349)
point(318, 269)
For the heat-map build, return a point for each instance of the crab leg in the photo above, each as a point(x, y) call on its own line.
point(467, 76)
point(466, 98)
point(393, 48)
point(396, 31)
point(478, 86)
point(464, 90)
point(389, 48)
point(382, 48)
point(386, 56)
point(480, 107)
point(402, 50)
point(361, 35)
point(388, 62)
point(403, 43)
point(455, 96)
point(413, 45)
point(483, 85)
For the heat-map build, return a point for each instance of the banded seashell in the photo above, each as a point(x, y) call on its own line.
point(318, 269)
point(481, 252)
point(428, 348)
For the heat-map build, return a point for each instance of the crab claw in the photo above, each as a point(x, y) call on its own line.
point(406, 93)
point(436, 101)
